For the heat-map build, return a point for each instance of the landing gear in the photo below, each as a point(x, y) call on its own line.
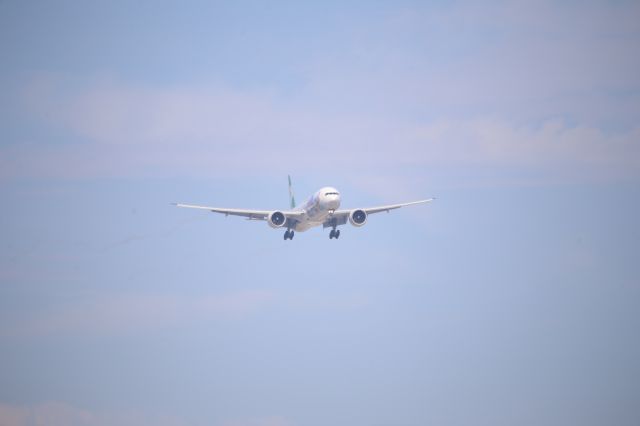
point(288, 234)
point(335, 233)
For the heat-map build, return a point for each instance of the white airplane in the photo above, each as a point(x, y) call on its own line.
point(320, 209)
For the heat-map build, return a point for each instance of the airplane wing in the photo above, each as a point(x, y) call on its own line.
point(340, 217)
point(249, 214)
point(371, 210)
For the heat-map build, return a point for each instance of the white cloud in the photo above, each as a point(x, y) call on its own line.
point(498, 143)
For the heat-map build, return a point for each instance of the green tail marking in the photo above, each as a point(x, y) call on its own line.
point(292, 199)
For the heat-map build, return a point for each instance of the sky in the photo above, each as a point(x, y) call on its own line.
point(514, 298)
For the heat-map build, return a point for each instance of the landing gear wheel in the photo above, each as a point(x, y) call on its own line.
point(291, 234)
point(337, 235)
point(286, 235)
point(332, 234)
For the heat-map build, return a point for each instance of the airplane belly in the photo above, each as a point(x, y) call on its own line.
point(303, 226)
point(308, 221)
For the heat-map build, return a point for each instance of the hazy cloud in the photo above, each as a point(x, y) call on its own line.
point(62, 414)
point(135, 313)
point(539, 84)
point(261, 421)
point(124, 131)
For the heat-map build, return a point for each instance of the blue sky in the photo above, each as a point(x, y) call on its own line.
point(513, 299)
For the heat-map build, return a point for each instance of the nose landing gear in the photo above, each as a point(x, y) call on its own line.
point(335, 233)
point(288, 234)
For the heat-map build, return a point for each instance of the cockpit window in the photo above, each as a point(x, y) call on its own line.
point(331, 193)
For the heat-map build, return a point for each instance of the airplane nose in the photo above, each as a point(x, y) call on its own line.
point(334, 203)
point(330, 203)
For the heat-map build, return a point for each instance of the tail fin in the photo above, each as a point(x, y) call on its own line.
point(292, 199)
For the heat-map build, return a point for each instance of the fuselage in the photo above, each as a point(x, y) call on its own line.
point(317, 208)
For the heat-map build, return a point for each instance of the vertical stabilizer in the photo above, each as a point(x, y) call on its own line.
point(292, 199)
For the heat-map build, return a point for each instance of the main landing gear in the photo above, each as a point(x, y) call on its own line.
point(335, 233)
point(288, 234)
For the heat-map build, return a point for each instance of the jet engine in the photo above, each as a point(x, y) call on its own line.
point(276, 219)
point(358, 217)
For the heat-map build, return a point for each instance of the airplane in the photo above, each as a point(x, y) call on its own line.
point(319, 209)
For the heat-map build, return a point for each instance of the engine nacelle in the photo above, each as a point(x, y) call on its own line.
point(358, 217)
point(276, 219)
